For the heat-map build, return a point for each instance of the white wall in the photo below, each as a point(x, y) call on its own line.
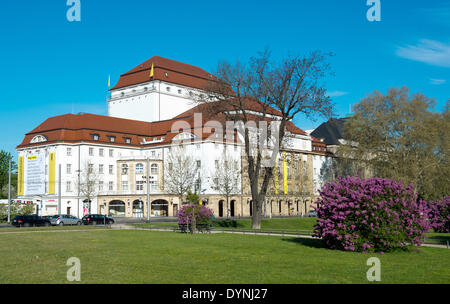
point(152, 101)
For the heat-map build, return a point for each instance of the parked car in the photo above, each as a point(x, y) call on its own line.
point(311, 213)
point(95, 219)
point(65, 219)
point(29, 221)
point(47, 217)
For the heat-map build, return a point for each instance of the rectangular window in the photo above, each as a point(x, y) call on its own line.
point(110, 186)
point(125, 185)
point(111, 169)
point(111, 152)
point(69, 151)
point(100, 152)
point(100, 169)
point(69, 169)
point(154, 185)
point(199, 163)
point(112, 139)
point(69, 186)
point(139, 185)
point(90, 168)
point(91, 151)
point(100, 186)
point(95, 137)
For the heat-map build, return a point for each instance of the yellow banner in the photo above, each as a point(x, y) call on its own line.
point(20, 177)
point(51, 173)
point(285, 173)
point(275, 175)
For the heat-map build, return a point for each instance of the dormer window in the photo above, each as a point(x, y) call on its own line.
point(95, 137)
point(168, 89)
point(112, 138)
point(127, 140)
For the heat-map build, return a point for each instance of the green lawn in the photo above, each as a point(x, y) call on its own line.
point(304, 225)
point(136, 256)
point(292, 225)
point(51, 228)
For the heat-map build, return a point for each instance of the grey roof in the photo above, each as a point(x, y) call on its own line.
point(331, 131)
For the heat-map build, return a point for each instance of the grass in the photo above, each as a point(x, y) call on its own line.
point(136, 256)
point(51, 228)
point(305, 224)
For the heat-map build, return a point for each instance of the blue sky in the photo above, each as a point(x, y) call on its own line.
point(50, 66)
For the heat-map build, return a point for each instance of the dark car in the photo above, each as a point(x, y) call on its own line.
point(29, 221)
point(95, 219)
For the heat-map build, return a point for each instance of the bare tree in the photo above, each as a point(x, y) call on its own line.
point(263, 92)
point(180, 172)
point(226, 178)
point(87, 185)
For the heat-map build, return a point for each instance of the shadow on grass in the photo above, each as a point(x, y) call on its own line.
point(314, 243)
point(227, 223)
point(439, 238)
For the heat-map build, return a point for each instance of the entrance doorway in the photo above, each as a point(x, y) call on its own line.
point(232, 206)
point(220, 208)
point(175, 209)
point(138, 208)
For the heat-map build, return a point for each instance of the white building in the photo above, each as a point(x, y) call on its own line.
point(144, 106)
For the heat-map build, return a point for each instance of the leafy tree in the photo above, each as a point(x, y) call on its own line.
point(4, 171)
point(398, 136)
point(16, 209)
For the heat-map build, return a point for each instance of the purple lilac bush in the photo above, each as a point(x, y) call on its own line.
point(202, 214)
point(372, 215)
point(439, 215)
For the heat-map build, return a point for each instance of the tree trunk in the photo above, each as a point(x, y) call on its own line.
point(257, 212)
point(228, 212)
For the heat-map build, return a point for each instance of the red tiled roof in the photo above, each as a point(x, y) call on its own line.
point(177, 72)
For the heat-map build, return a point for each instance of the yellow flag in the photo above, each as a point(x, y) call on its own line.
point(51, 173)
point(20, 177)
point(109, 81)
point(151, 71)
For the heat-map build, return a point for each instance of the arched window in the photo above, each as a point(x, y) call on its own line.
point(139, 168)
point(154, 169)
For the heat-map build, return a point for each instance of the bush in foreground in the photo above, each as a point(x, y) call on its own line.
point(372, 215)
point(439, 215)
point(203, 215)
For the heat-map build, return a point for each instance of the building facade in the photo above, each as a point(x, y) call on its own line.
point(85, 163)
